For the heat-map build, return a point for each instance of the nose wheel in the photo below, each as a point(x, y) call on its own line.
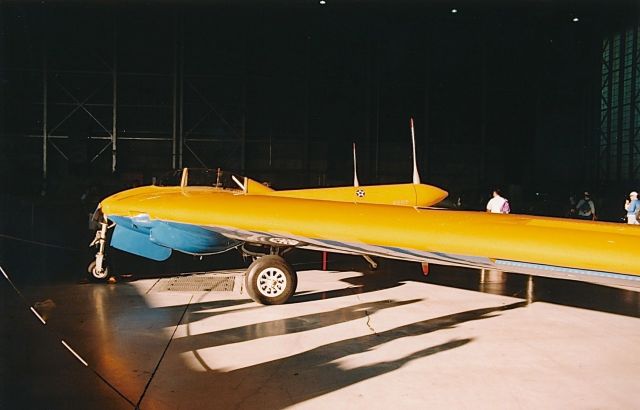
point(270, 280)
point(98, 274)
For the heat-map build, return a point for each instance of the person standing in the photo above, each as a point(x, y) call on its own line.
point(497, 204)
point(586, 209)
point(570, 210)
point(632, 205)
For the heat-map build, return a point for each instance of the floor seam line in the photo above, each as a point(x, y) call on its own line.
point(146, 387)
point(152, 286)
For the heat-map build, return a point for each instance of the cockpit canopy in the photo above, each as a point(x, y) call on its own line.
point(200, 177)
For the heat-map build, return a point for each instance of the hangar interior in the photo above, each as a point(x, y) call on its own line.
point(516, 95)
point(540, 98)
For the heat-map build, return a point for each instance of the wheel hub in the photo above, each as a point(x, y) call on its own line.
point(99, 273)
point(272, 282)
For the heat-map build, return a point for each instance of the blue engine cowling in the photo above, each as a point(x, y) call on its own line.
point(155, 239)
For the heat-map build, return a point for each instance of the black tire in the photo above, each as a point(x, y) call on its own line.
point(270, 280)
point(102, 276)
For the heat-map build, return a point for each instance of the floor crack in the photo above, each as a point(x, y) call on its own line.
point(369, 323)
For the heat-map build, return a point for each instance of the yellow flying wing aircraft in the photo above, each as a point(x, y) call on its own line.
point(385, 221)
point(389, 221)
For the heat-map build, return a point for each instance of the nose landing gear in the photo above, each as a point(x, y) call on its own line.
point(98, 268)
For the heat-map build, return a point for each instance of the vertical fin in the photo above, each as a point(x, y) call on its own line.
point(416, 176)
point(355, 168)
point(185, 177)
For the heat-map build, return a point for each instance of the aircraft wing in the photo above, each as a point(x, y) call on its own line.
point(203, 220)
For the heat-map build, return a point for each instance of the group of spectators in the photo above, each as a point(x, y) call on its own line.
point(583, 209)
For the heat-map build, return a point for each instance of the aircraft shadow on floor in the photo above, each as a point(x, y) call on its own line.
point(316, 372)
point(571, 293)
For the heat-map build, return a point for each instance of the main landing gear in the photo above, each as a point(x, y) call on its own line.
point(270, 280)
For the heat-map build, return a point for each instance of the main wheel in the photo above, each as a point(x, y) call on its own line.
point(98, 275)
point(270, 280)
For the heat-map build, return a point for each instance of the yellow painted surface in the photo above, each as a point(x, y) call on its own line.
point(420, 195)
point(551, 241)
point(399, 194)
point(254, 187)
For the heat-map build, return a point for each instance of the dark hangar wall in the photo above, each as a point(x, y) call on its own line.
point(503, 94)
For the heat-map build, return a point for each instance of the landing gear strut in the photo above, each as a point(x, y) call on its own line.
point(99, 269)
point(270, 280)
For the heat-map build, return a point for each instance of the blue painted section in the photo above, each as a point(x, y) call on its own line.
point(189, 238)
point(129, 224)
point(138, 243)
point(155, 239)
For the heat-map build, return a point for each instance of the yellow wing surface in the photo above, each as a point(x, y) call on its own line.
point(517, 243)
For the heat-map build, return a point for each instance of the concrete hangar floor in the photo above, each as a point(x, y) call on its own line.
point(349, 338)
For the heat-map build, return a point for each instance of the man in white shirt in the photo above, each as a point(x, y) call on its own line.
point(497, 204)
point(632, 205)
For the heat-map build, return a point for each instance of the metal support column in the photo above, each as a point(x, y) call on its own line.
point(307, 140)
point(427, 148)
point(243, 124)
point(483, 108)
point(378, 74)
point(44, 111)
point(114, 128)
point(620, 103)
point(609, 108)
point(368, 100)
point(634, 144)
point(243, 130)
point(181, 99)
point(174, 145)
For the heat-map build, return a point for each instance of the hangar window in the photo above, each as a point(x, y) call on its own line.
point(619, 142)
